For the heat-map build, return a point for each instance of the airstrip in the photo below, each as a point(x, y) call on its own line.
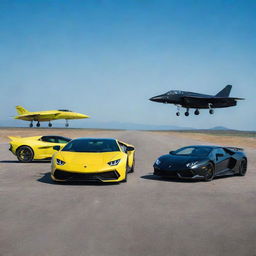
point(145, 216)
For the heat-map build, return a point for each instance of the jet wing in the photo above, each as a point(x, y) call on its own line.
point(35, 117)
point(193, 99)
point(28, 117)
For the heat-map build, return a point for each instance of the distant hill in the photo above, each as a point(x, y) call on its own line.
point(134, 126)
point(220, 128)
point(89, 123)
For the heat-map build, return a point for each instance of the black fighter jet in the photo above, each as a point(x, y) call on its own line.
point(197, 101)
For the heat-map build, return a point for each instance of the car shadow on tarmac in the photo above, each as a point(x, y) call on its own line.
point(154, 177)
point(46, 178)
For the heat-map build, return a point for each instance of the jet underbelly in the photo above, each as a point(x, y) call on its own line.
point(204, 103)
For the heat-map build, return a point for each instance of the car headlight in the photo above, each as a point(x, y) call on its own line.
point(59, 162)
point(115, 162)
point(192, 164)
point(157, 162)
point(196, 164)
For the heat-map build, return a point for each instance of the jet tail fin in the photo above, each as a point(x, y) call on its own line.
point(21, 110)
point(224, 92)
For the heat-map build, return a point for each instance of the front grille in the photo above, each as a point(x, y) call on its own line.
point(63, 175)
point(186, 173)
point(165, 173)
point(174, 174)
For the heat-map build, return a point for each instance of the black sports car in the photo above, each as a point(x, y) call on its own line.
point(201, 162)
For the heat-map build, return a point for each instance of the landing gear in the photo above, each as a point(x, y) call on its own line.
point(196, 112)
point(178, 110)
point(50, 124)
point(187, 112)
point(211, 110)
point(38, 124)
point(31, 124)
point(66, 124)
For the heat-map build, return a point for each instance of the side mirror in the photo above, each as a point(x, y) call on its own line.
point(130, 148)
point(56, 148)
point(171, 152)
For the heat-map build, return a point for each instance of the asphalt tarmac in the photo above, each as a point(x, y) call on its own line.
point(145, 216)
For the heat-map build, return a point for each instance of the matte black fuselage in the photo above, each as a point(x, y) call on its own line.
point(194, 100)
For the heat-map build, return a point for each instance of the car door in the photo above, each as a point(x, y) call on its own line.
point(221, 160)
point(46, 146)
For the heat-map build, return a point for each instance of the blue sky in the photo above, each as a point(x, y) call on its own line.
point(106, 58)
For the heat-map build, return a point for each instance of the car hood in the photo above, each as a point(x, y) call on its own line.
point(89, 162)
point(174, 161)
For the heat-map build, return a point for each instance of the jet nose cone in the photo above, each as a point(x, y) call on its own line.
point(159, 98)
point(82, 116)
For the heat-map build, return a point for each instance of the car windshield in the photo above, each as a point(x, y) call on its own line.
point(193, 151)
point(92, 145)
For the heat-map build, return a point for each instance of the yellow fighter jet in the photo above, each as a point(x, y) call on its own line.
point(47, 116)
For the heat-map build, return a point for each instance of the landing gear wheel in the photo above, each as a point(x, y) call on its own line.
point(178, 110)
point(66, 125)
point(37, 124)
point(31, 125)
point(196, 112)
point(242, 168)
point(50, 124)
point(211, 111)
point(186, 113)
point(210, 172)
point(25, 154)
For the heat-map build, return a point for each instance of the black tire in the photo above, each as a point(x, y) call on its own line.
point(133, 165)
point(132, 169)
point(25, 154)
point(210, 172)
point(126, 172)
point(242, 167)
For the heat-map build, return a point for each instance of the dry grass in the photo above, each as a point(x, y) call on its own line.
point(234, 140)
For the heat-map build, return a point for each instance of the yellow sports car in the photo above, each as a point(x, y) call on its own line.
point(28, 149)
point(93, 159)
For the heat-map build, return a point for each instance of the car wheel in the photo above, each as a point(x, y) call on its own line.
point(25, 154)
point(210, 172)
point(243, 167)
point(126, 172)
point(132, 168)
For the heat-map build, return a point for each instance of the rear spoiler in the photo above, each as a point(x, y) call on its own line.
point(14, 137)
point(235, 148)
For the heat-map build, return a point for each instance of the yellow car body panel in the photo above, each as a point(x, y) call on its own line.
point(41, 149)
point(44, 116)
point(131, 154)
point(93, 163)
